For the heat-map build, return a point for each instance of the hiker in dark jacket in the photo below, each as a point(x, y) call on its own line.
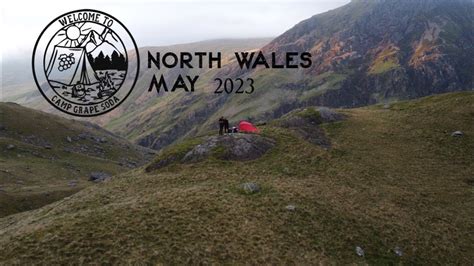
point(226, 125)
point(221, 125)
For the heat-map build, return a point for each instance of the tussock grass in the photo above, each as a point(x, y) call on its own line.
point(394, 177)
point(32, 176)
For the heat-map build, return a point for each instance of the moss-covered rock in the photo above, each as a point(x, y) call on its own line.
point(305, 123)
point(233, 147)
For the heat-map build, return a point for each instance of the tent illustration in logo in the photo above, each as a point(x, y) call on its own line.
point(85, 66)
point(71, 66)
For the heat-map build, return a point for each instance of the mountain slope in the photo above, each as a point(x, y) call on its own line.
point(393, 179)
point(374, 51)
point(388, 49)
point(146, 114)
point(363, 53)
point(44, 158)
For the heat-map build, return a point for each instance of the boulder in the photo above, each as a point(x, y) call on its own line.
point(359, 251)
point(10, 147)
point(98, 176)
point(329, 115)
point(398, 251)
point(201, 151)
point(100, 140)
point(250, 188)
point(238, 147)
point(457, 134)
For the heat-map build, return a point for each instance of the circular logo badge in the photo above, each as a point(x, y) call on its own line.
point(85, 63)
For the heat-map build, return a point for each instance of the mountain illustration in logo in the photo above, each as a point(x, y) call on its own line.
point(95, 43)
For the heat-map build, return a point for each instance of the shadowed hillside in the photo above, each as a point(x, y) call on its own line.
point(44, 158)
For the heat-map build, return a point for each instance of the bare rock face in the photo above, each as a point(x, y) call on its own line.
point(239, 147)
point(394, 49)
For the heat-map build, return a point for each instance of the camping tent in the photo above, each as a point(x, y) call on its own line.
point(245, 126)
point(77, 69)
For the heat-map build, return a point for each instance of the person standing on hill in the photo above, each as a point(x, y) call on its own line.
point(226, 125)
point(221, 125)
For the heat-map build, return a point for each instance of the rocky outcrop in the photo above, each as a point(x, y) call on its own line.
point(305, 123)
point(237, 147)
point(232, 147)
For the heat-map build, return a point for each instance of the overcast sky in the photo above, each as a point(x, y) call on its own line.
point(162, 22)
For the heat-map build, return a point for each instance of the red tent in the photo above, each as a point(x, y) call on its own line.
point(245, 126)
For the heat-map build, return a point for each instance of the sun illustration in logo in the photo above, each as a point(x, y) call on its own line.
point(73, 33)
point(87, 62)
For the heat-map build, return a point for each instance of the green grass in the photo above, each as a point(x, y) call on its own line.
point(174, 153)
point(310, 113)
point(394, 177)
point(322, 83)
point(32, 176)
point(385, 61)
point(384, 66)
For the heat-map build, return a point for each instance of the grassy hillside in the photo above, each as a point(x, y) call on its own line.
point(44, 158)
point(363, 53)
point(393, 178)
